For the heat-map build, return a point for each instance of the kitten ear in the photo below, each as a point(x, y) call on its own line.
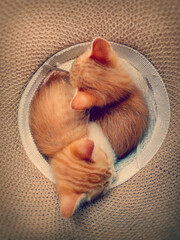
point(69, 201)
point(83, 149)
point(101, 50)
point(83, 100)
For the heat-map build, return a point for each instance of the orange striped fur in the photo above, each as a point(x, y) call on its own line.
point(81, 169)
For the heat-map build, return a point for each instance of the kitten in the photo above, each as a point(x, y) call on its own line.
point(104, 85)
point(81, 166)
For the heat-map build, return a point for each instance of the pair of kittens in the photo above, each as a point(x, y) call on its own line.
point(79, 119)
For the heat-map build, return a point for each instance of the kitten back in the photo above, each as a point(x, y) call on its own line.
point(53, 123)
point(124, 123)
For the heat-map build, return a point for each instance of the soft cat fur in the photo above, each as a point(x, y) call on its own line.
point(104, 85)
point(81, 168)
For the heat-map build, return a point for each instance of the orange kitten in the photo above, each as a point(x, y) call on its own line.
point(81, 167)
point(104, 85)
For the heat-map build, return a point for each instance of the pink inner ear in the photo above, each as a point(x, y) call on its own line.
point(83, 100)
point(69, 201)
point(100, 50)
point(86, 149)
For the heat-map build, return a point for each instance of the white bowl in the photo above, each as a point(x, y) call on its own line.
point(155, 94)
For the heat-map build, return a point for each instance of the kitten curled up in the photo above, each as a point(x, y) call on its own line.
point(80, 155)
point(105, 84)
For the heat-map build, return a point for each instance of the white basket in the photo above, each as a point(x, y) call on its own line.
point(156, 97)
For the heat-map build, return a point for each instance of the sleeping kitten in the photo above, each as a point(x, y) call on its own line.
point(105, 84)
point(82, 162)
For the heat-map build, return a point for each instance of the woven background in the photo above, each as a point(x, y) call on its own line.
point(147, 206)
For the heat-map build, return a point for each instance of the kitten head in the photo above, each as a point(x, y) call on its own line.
point(99, 77)
point(82, 172)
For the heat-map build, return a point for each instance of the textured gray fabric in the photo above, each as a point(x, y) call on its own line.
point(145, 207)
